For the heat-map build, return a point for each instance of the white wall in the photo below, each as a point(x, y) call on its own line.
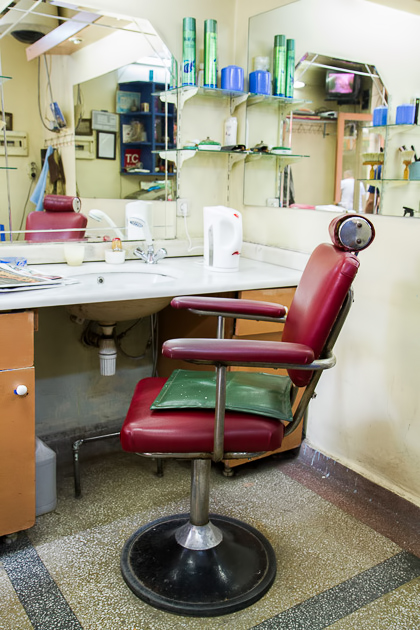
point(367, 413)
point(20, 99)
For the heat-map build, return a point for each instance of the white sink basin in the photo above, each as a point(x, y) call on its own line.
point(120, 310)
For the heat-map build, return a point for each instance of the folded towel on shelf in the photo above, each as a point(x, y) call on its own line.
point(37, 196)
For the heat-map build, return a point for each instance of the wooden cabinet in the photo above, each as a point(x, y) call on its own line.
point(17, 429)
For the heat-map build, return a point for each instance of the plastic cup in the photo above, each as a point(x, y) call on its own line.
point(74, 253)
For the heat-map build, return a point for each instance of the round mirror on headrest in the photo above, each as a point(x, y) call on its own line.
point(351, 232)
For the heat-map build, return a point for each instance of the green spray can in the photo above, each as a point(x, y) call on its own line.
point(173, 76)
point(188, 51)
point(290, 67)
point(279, 65)
point(210, 53)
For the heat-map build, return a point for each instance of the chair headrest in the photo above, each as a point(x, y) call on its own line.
point(351, 232)
point(62, 203)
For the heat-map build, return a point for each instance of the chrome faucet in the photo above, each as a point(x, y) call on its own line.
point(150, 257)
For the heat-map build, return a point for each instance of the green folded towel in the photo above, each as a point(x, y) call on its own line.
point(248, 392)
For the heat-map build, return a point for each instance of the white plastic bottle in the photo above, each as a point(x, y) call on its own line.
point(231, 128)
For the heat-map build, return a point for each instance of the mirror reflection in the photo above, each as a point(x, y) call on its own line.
point(342, 149)
point(71, 97)
point(329, 123)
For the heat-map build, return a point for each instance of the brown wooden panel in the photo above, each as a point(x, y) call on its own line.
point(282, 296)
point(17, 451)
point(16, 340)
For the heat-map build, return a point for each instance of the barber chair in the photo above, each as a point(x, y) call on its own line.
point(205, 564)
point(58, 214)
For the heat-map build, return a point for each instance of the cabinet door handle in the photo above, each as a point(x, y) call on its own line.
point(21, 390)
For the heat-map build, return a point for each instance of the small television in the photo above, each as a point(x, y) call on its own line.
point(343, 87)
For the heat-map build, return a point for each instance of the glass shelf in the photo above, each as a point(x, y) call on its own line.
point(393, 126)
point(192, 90)
point(8, 168)
point(188, 91)
point(285, 157)
point(314, 121)
point(270, 99)
point(4, 79)
point(377, 183)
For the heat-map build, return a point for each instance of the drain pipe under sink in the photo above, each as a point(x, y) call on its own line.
point(107, 350)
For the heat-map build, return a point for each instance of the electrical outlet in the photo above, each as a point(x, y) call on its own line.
point(273, 202)
point(182, 207)
point(31, 169)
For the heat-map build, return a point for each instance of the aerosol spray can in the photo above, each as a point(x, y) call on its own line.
point(210, 53)
point(290, 67)
point(173, 78)
point(279, 66)
point(188, 51)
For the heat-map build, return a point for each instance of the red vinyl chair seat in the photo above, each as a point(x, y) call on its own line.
point(191, 431)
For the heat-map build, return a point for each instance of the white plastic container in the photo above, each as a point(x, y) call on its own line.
point(222, 238)
point(231, 129)
point(45, 488)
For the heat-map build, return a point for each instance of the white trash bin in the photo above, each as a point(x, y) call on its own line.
point(46, 490)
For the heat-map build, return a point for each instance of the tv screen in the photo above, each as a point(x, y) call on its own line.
point(342, 85)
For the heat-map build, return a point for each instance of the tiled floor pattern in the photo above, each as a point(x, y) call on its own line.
point(333, 570)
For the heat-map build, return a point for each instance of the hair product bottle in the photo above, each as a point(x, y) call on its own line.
point(188, 51)
point(173, 76)
point(210, 53)
point(279, 65)
point(230, 128)
point(290, 67)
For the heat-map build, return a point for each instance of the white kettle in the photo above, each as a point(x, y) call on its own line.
point(222, 238)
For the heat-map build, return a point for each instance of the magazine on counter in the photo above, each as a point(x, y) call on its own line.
point(21, 278)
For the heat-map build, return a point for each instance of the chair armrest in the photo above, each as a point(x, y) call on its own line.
point(229, 307)
point(239, 352)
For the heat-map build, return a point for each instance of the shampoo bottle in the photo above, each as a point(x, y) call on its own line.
point(188, 51)
point(210, 53)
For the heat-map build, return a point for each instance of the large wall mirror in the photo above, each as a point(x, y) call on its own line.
point(337, 148)
point(105, 72)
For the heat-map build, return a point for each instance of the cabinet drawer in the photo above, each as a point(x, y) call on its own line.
point(16, 340)
point(282, 296)
point(17, 451)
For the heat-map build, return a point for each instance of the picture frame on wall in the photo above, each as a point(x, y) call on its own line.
point(9, 121)
point(106, 143)
point(128, 102)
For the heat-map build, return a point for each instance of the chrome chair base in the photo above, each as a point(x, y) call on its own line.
point(204, 583)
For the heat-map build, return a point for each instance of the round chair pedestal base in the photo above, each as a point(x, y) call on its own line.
point(231, 576)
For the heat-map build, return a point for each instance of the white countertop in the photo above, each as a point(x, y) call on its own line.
point(177, 276)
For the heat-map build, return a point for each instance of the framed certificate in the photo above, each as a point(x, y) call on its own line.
point(106, 145)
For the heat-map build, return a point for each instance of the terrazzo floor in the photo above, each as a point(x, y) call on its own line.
point(333, 570)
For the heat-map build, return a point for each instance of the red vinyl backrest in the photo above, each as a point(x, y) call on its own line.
point(319, 296)
point(42, 220)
